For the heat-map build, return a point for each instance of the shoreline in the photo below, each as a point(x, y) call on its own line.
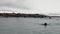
point(22, 15)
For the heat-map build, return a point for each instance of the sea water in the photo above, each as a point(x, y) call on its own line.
point(29, 26)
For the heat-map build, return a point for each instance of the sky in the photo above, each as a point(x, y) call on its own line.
point(50, 7)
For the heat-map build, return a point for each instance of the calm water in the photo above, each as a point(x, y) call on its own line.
point(29, 26)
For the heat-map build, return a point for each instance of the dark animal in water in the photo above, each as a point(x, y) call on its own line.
point(45, 24)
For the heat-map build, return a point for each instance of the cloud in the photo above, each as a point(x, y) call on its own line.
point(22, 4)
point(38, 6)
point(14, 10)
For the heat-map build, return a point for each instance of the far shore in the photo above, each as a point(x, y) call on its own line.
point(22, 15)
point(27, 15)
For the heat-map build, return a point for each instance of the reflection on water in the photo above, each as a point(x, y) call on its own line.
point(29, 26)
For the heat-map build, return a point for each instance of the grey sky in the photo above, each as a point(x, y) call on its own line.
point(38, 6)
point(47, 6)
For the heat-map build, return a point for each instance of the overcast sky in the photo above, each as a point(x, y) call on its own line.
point(38, 6)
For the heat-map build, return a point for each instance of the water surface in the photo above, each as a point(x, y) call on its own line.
point(29, 26)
